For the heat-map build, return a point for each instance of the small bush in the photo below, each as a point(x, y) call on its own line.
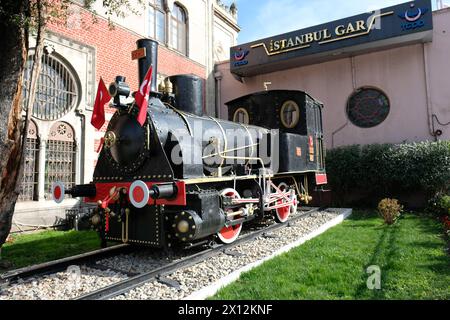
point(446, 221)
point(390, 210)
point(440, 205)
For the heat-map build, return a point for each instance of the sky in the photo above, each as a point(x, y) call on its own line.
point(264, 18)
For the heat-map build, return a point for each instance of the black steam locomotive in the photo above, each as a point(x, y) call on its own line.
point(186, 178)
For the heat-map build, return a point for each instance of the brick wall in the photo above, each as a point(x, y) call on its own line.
point(113, 53)
point(114, 47)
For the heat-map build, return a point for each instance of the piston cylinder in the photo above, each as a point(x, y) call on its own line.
point(189, 226)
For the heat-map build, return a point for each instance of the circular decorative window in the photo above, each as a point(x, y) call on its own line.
point(57, 88)
point(368, 107)
point(241, 116)
point(290, 114)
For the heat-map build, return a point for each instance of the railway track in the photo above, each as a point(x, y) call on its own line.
point(136, 279)
point(61, 264)
point(126, 285)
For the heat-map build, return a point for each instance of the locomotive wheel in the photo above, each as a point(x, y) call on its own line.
point(230, 234)
point(282, 214)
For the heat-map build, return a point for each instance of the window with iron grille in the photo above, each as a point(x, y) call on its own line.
point(157, 20)
point(57, 88)
point(179, 29)
point(60, 157)
point(29, 185)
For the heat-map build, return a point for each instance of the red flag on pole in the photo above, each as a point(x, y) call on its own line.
point(103, 97)
point(142, 96)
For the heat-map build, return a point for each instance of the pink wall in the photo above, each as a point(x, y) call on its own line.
point(399, 72)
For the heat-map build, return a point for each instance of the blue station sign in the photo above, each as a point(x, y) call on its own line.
point(403, 24)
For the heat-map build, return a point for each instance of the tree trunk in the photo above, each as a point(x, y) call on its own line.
point(34, 76)
point(12, 64)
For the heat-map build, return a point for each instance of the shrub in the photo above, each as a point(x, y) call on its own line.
point(446, 221)
point(380, 171)
point(439, 205)
point(390, 210)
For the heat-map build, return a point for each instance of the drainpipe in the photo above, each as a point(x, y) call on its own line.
point(80, 113)
point(354, 83)
point(218, 76)
point(41, 172)
point(428, 93)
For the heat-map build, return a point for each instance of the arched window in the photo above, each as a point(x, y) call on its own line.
point(290, 114)
point(29, 185)
point(60, 157)
point(241, 116)
point(368, 107)
point(57, 88)
point(157, 20)
point(179, 29)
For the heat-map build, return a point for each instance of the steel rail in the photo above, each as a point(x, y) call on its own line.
point(126, 285)
point(61, 264)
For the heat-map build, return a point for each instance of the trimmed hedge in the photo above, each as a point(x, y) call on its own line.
point(379, 171)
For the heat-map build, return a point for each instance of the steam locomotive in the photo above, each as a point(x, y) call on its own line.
point(184, 178)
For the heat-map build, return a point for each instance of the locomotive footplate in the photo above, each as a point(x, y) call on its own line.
point(131, 231)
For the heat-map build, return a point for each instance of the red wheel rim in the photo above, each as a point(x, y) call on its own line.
point(283, 213)
point(230, 234)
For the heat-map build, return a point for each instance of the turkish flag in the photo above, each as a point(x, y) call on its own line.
point(142, 96)
point(103, 97)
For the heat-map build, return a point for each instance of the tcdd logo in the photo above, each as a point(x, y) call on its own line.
point(412, 17)
point(239, 56)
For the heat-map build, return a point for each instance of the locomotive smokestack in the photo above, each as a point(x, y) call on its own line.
point(150, 59)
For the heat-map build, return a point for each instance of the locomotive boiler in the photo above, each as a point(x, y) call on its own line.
point(183, 177)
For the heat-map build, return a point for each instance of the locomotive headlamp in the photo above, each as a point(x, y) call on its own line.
point(113, 89)
point(120, 91)
point(119, 87)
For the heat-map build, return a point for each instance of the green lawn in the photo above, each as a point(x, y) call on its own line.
point(45, 246)
point(411, 254)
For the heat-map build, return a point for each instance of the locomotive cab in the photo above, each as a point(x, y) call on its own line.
point(298, 117)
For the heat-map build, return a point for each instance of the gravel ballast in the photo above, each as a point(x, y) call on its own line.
point(201, 275)
point(66, 285)
point(61, 285)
